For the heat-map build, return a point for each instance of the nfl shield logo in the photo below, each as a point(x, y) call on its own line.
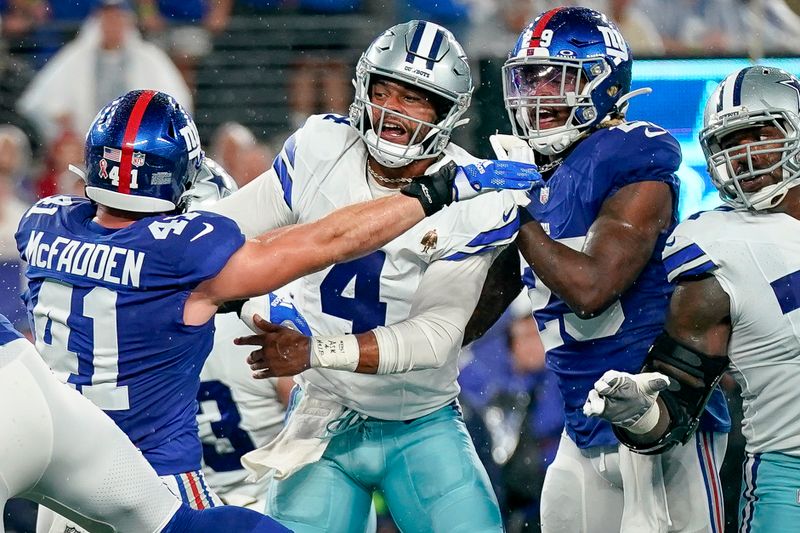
point(544, 195)
point(138, 159)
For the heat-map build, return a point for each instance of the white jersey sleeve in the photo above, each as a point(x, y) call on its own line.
point(756, 260)
point(441, 308)
point(282, 195)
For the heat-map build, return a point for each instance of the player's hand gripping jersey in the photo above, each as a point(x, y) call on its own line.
point(580, 350)
point(323, 167)
point(755, 257)
point(107, 310)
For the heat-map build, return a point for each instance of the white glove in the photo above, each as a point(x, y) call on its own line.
point(627, 400)
point(508, 147)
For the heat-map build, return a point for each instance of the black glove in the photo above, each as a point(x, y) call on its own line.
point(434, 191)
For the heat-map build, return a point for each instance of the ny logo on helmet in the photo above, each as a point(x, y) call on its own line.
point(192, 138)
point(615, 44)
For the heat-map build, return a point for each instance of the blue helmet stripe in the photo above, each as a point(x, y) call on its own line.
point(737, 87)
point(412, 51)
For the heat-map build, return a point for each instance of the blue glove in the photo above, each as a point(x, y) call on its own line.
point(488, 174)
point(451, 183)
point(277, 310)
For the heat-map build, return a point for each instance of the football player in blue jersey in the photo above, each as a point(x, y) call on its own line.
point(60, 450)
point(593, 236)
point(383, 415)
point(736, 304)
point(123, 286)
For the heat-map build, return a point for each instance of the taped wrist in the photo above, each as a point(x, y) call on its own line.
point(647, 421)
point(694, 375)
point(336, 352)
point(433, 191)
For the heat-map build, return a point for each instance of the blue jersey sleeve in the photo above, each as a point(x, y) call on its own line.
point(640, 151)
point(210, 240)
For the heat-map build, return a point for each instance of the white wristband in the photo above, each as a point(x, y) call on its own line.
point(337, 352)
point(647, 422)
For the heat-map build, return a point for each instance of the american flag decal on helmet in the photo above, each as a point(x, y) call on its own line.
point(112, 154)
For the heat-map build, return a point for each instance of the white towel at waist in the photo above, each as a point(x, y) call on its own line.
point(302, 441)
point(645, 507)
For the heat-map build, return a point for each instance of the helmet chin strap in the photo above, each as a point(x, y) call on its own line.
point(548, 144)
point(391, 154)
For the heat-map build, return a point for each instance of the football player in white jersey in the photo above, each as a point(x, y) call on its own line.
point(736, 306)
point(400, 312)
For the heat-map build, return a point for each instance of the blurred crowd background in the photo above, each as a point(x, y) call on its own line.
point(253, 70)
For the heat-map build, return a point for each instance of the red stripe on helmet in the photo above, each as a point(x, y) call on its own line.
point(541, 26)
point(128, 140)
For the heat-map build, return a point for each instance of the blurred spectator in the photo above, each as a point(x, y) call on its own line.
point(235, 148)
point(107, 59)
point(495, 26)
point(698, 27)
point(320, 75)
point(56, 178)
point(15, 163)
point(772, 26)
point(256, 160)
point(21, 16)
point(518, 405)
point(636, 26)
point(15, 75)
point(185, 29)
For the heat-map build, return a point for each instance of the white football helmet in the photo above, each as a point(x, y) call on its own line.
point(427, 56)
point(753, 97)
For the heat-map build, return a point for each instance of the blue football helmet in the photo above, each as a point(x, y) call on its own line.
point(567, 73)
point(213, 183)
point(142, 153)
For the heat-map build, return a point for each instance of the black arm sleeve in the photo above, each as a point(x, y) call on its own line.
point(693, 375)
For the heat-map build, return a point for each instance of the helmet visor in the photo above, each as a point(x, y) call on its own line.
point(544, 96)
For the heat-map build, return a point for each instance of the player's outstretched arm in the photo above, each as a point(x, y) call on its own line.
point(618, 245)
point(288, 253)
point(428, 338)
point(696, 337)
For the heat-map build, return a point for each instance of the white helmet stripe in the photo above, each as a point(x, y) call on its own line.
point(425, 45)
